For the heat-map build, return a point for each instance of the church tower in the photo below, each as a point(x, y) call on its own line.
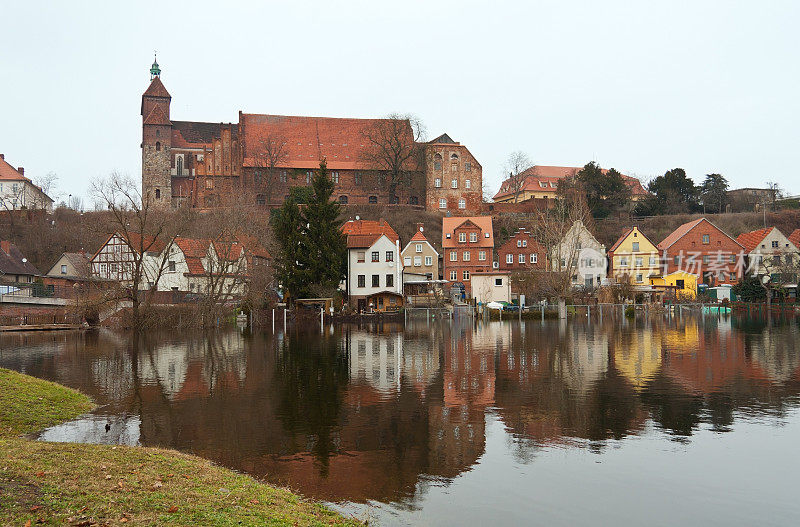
point(156, 141)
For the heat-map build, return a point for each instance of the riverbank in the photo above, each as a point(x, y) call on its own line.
point(79, 484)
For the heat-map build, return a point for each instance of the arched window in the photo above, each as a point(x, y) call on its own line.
point(158, 193)
point(454, 157)
point(158, 146)
point(179, 166)
point(437, 162)
point(343, 200)
point(261, 199)
point(373, 199)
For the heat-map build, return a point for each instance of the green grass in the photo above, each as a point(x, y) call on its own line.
point(54, 483)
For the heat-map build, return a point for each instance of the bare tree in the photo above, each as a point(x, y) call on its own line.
point(271, 153)
point(516, 166)
point(394, 149)
point(150, 233)
point(46, 184)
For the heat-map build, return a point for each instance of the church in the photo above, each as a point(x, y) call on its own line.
point(263, 157)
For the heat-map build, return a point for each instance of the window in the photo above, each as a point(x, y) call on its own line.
point(534, 258)
point(158, 146)
point(775, 245)
point(158, 193)
point(468, 184)
point(465, 275)
point(389, 280)
point(406, 261)
point(389, 256)
point(509, 258)
point(467, 167)
point(653, 261)
point(376, 256)
point(473, 237)
point(417, 261)
point(519, 243)
point(418, 247)
point(413, 200)
point(706, 259)
point(362, 280)
point(454, 167)
point(437, 182)
point(636, 247)
point(623, 262)
point(776, 259)
point(453, 276)
point(639, 277)
point(171, 266)
point(453, 183)
point(179, 166)
point(442, 203)
point(454, 156)
point(453, 256)
point(733, 258)
point(543, 184)
point(63, 269)
point(335, 176)
point(376, 280)
point(373, 199)
point(360, 256)
point(466, 256)
point(524, 243)
point(283, 176)
point(498, 281)
point(209, 184)
point(639, 261)
point(343, 200)
point(676, 260)
point(482, 256)
point(462, 203)
point(462, 237)
point(521, 258)
point(706, 239)
point(679, 284)
point(309, 175)
point(261, 199)
point(437, 162)
point(429, 260)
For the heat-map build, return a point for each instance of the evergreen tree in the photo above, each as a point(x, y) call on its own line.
point(290, 268)
point(605, 192)
point(672, 193)
point(749, 289)
point(714, 193)
point(325, 244)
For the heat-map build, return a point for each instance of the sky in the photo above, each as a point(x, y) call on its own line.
point(644, 87)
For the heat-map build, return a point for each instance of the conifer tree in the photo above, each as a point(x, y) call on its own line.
point(290, 268)
point(325, 245)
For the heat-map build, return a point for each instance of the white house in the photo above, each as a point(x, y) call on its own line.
point(18, 192)
point(373, 261)
point(768, 251)
point(580, 254)
point(491, 286)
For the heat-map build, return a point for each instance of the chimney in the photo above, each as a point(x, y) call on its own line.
point(2, 157)
point(5, 245)
point(420, 227)
point(21, 171)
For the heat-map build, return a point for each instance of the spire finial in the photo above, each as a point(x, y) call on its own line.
point(155, 71)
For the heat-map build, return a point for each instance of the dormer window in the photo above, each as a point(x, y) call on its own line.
point(543, 184)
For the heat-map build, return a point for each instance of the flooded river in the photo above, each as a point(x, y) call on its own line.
point(657, 421)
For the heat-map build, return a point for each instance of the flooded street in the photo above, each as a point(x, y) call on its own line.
point(658, 421)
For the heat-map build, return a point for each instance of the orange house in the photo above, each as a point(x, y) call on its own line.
point(467, 246)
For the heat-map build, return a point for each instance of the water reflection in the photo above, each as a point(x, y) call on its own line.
point(380, 413)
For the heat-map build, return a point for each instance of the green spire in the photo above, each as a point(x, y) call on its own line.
point(155, 71)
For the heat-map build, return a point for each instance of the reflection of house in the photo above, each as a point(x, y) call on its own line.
point(580, 254)
point(373, 261)
point(633, 258)
point(637, 356)
point(467, 246)
point(700, 247)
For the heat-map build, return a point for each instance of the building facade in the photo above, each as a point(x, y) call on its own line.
point(633, 258)
point(374, 265)
point(768, 251)
point(419, 256)
point(581, 255)
point(260, 158)
point(467, 247)
point(17, 192)
point(521, 252)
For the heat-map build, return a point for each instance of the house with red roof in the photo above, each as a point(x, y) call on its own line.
point(794, 237)
point(17, 192)
point(541, 182)
point(374, 266)
point(768, 251)
point(701, 248)
point(420, 259)
point(14, 267)
point(467, 247)
point(633, 258)
point(521, 252)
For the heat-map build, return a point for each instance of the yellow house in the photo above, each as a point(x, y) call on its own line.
point(633, 258)
point(680, 285)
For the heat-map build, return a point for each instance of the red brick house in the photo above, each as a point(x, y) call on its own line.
point(521, 251)
point(701, 248)
point(467, 247)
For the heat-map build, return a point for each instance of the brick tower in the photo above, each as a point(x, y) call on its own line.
point(156, 141)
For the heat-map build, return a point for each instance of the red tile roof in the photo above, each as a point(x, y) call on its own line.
point(419, 237)
point(451, 223)
point(157, 116)
point(679, 233)
point(553, 174)
point(795, 238)
point(9, 173)
point(750, 240)
point(157, 89)
point(363, 233)
point(340, 141)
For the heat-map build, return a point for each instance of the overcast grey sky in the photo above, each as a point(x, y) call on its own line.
point(640, 86)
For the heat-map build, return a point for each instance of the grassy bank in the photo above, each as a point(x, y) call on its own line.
point(58, 483)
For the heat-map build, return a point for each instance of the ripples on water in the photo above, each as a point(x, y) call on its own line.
point(453, 423)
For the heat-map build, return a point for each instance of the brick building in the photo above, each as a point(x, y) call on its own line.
point(520, 252)
point(261, 157)
point(701, 248)
point(467, 247)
